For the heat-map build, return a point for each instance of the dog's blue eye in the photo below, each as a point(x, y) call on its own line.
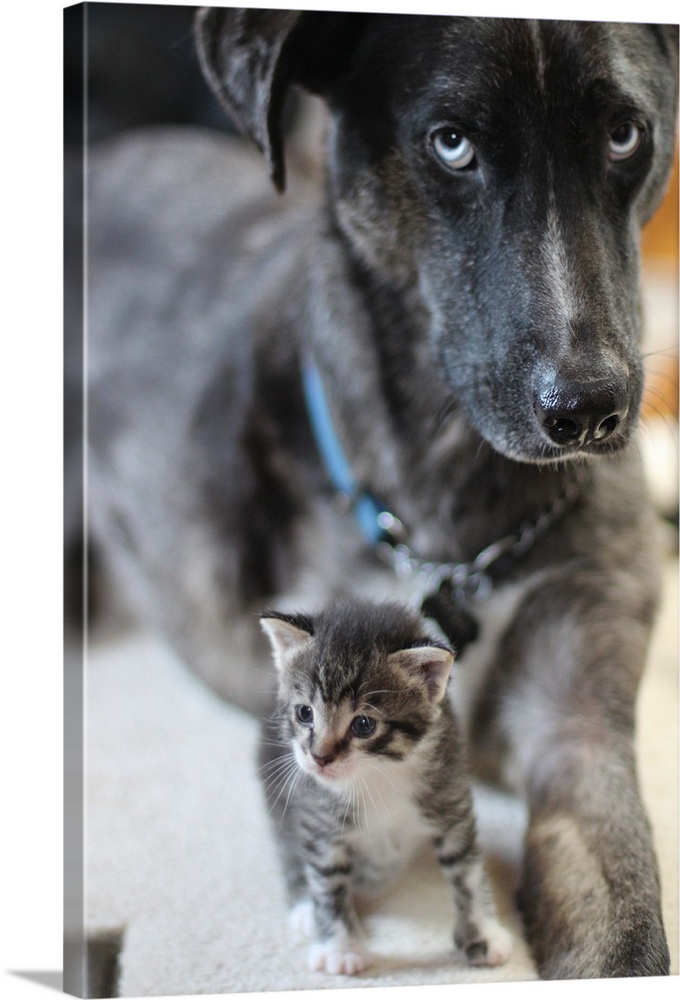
point(624, 141)
point(362, 725)
point(453, 149)
point(304, 714)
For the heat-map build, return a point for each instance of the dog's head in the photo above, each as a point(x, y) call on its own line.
point(504, 169)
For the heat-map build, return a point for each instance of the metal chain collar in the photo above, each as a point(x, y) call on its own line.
point(470, 580)
point(387, 534)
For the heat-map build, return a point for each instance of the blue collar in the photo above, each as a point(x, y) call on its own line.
point(465, 582)
point(368, 512)
point(383, 531)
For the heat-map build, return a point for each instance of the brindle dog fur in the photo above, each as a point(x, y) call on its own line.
point(466, 280)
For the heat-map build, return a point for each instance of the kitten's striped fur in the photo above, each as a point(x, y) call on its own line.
point(362, 760)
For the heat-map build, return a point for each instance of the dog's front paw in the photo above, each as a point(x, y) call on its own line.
point(340, 959)
point(493, 945)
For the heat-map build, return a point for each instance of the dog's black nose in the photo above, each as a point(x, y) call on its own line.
point(574, 413)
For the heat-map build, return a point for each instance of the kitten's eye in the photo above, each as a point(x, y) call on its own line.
point(304, 714)
point(625, 141)
point(453, 149)
point(362, 725)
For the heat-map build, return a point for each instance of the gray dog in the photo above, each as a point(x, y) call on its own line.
point(418, 378)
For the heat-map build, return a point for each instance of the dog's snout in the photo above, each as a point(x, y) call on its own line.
point(575, 413)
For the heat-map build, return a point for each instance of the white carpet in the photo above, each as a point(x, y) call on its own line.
point(179, 853)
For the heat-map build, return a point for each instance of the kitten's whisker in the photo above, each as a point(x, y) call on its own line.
point(367, 792)
point(375, 788)
point(279, 757)
point(382, 772)
point(279, 782)
point(275, 743)
point(362, 827)
point(348, 803)
point(369, 694)
point(297, 777)
point(374, 708)
point(290, 783)
point(273, 765)
point(288, 777)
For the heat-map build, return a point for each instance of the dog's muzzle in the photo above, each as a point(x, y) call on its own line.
point(575, 413)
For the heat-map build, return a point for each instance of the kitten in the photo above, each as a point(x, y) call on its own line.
point(361, 761)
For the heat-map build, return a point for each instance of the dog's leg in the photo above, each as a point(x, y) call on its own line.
point(590, 891)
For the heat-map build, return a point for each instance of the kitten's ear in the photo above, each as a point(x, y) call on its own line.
point(431, 664)
point(286, 633)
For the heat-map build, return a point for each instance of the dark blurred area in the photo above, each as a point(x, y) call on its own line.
point(136, 65)
point(125, 66)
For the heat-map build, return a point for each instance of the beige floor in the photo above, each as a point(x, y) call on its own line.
point(179, 855)
point(658, 727)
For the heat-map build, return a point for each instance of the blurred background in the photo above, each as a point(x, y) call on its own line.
point(659, 436)
point(127, 66)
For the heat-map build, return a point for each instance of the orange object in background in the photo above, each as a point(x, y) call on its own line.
point(660, 398)
point(660, 261)
point(660, 236)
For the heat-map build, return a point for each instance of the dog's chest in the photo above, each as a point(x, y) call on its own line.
point(495, 614)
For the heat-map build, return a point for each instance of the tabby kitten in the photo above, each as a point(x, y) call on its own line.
point(361, 761)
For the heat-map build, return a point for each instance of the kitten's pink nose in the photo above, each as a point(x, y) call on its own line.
point(322, 761)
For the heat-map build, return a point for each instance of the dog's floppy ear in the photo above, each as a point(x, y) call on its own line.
point(250, 57)
point(241, 55)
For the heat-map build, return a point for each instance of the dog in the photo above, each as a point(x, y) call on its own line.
point(458, 301)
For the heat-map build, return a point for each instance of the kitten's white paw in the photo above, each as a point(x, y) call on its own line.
point(346, 959)
point(499, 942)
point(301, 920)
point(493, 947)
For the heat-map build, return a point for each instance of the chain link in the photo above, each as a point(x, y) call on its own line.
point(470, 580)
